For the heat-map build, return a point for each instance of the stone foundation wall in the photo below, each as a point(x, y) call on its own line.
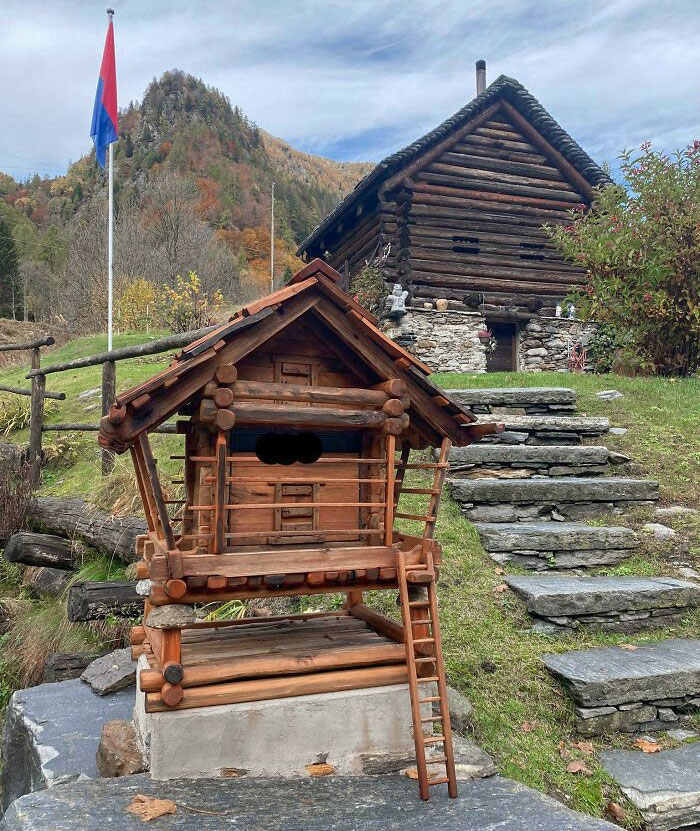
point(445, 340)
point(546, 343)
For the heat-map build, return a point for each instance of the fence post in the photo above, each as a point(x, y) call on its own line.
point(36, 417)
point(109, 392)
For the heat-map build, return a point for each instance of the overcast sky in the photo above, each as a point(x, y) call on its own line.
point(354, 79)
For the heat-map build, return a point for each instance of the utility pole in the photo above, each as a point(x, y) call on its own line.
point(272, 240)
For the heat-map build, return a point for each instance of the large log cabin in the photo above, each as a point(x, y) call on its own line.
point(298, 417)
point(458, 214)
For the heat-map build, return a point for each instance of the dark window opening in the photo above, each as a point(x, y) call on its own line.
point(470, 245)
point(288, 448)
point(531, 251)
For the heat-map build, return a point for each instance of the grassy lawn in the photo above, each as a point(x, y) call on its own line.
point(521, 716)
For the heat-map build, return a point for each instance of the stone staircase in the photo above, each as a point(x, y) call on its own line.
point(526, 493)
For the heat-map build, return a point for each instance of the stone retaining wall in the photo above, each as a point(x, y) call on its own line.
point(447, 340)
point(546, 343)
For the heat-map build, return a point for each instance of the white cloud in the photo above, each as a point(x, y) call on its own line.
point(355, 79)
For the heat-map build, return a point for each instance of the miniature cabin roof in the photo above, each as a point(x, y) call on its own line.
point(504, 89)
point(312, 291)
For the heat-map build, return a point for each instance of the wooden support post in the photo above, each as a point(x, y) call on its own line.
point(161, 508)
point(36, 419)
point(109, 393)
point(390, 476)
point(220, 493)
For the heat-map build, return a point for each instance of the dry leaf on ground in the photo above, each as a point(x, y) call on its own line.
point(500, 570)
point(585, 747)
point(648, 747)
point(320, 769)
point(528, 726)
point(579, 767)
point(147, 808)
point(630, 647)
point(564, 752)
point(616, 811)
point(412, 773)
point(500, 588)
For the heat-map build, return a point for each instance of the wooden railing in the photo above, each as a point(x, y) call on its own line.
point(108, 361)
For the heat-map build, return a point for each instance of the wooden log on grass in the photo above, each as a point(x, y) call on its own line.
point(51, 582)
point(62, 666)
point(45, 550)
point(99, 600)
point(71, 518)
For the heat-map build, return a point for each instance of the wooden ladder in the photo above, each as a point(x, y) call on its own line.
point(424, 660)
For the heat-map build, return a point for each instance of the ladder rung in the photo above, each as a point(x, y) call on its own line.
point(432, 718)
point(429, 660)
point(433, 740)
point(427, 700)
point(426, 491)
point(418, 603)
point(441, 781)
point(428, 680)
point(422, 620)
point(436, 760)
point(424, 640)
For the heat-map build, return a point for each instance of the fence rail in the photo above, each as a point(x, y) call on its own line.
point(108, 361)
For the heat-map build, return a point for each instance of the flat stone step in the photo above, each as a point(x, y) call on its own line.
point(531, 400)
point(650, 687)
point(613, 604)
point(516, 500)
point(524, 460)
point(302, 804)
point(545, 429)
point(543, 545)
point(664, 787)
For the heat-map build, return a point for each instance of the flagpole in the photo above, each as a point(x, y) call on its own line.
point(110, 248)
point(110, 233)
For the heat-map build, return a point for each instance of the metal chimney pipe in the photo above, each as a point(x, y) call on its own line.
point(480, 76)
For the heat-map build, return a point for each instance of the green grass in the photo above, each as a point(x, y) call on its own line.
point(490, 653)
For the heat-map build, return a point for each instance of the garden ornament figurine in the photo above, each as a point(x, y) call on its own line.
point(396, 303)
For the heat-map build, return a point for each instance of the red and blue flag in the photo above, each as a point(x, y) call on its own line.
point(104, 128)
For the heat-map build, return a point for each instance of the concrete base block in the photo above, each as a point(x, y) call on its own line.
point(280, 737)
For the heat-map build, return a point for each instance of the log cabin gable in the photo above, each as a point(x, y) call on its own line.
point(532, 138)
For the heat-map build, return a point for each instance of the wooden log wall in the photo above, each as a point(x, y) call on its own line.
point(477, 213)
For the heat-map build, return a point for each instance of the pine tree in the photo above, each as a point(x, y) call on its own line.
point(9, 272)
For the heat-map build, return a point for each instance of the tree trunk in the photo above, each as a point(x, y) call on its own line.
point(40, 550)
point(96, 601)
point(110, 535)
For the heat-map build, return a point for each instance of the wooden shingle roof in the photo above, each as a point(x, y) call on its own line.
point(314, 289)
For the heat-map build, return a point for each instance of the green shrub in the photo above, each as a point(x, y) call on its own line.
point(368, 286)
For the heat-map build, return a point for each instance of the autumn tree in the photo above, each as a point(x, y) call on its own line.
point(640, 246)
point(10, 290)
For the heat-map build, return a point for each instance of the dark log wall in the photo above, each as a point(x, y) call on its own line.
point(468, 225)
point(476, 218)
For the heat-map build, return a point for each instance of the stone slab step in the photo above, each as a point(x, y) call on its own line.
point(546, 429)
point(52, 732)
point(517, 500)
point(523, 460)
point(664, 787)
point(531, 400)
point(615, 604)
point(650, 687)
point(542, 545)
point(308, 804)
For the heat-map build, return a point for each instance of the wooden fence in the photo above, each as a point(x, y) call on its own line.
point(108, 361)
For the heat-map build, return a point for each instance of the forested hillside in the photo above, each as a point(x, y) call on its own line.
point(193, 178)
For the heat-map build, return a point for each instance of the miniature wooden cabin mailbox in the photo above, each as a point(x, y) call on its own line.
point(293, 415)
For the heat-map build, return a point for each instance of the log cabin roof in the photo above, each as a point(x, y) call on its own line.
point(502, 89)
point(150, 403)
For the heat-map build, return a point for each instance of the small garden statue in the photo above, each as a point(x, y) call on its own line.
point(396, 303)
